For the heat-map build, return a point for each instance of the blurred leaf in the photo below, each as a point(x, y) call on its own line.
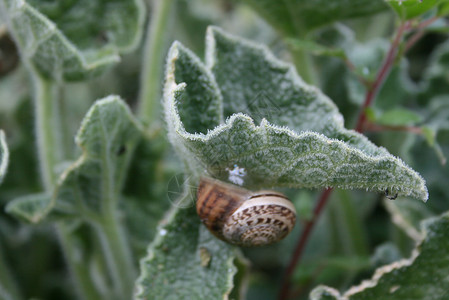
point(384, 254)
point(4, 155)
point(312, 148)
point(145, 196)
point(297, 17)
point(409, 9)
point(186, 261)
point(108, 135)
point(408, 215)
point(31, 208)
point(367, 59)
point(73, 39)
point(399, 117)
point(423, 276)
point(429, 134)
point(316, 48)
point(436, 75)
point(437, 120)
point(443, 8)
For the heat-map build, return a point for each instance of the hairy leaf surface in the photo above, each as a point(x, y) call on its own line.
point(186, 261)
point(282, 131)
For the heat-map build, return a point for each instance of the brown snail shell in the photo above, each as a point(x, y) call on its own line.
point(243, 217)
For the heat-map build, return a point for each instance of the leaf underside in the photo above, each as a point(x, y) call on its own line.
point(299, 141)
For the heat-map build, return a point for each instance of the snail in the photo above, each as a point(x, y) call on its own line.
point(243, 217)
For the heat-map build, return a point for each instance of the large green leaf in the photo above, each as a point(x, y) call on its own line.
point(93, 183)
point(300, 141)
point(186, 261)
point(409, 9)
point(4, 155)
point(423, 276)
point(296, 17)
point(108, 136)
point(73, 39)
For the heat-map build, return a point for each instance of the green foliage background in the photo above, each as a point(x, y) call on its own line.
point(101, 146)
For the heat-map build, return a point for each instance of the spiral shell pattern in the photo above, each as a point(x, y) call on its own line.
point(242, 217)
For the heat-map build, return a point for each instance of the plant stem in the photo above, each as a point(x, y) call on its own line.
point(381, 76)
point(370, 97)
point(117, 253)
point(79, 269)
point(300, 247)
point(47, 129)
point(419, 34)
point(50, 154)
point(150, 80)
point(304, 65)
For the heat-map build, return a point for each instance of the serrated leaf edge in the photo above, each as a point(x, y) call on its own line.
point(85, 155)
point(171, 88)
point(369, 283)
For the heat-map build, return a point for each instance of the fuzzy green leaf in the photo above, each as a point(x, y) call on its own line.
point(423, 276)
point(108, 136)
point(409, 9)
point(73, 39)
point(293, 17)
point(186, 261)
point(300, 140)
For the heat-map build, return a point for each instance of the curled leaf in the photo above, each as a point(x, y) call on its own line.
point(299, 141)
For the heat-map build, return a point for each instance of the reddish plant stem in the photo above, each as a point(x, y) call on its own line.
point(299, 250)
point(419, 34)
point(381, 75)
point(360, 127)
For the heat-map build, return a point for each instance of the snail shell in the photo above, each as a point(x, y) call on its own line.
point(243, 217)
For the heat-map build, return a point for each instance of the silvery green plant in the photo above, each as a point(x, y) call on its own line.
point(105, 201)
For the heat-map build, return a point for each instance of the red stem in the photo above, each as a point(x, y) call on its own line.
point(381, 75)
point(370, 96)
point(308, 226)
point(419, 34)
